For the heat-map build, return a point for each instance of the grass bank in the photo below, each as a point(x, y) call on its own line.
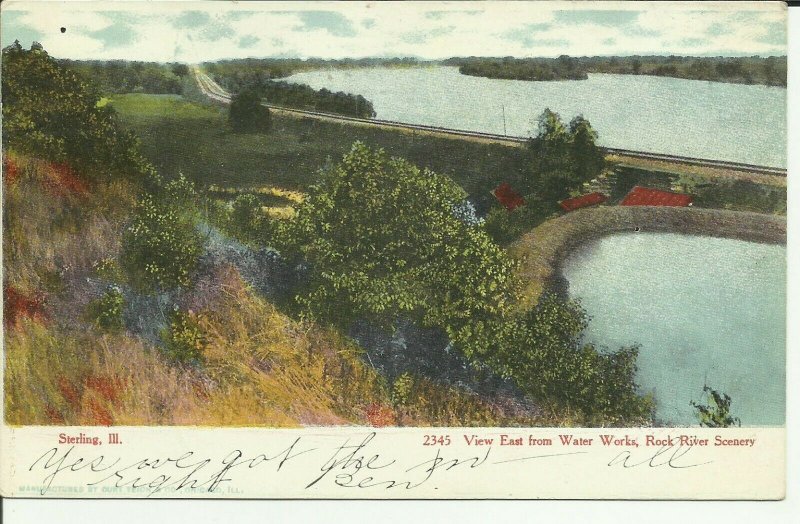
point(541, 251)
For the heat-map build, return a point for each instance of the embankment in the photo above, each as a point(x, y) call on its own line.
point(541, 251)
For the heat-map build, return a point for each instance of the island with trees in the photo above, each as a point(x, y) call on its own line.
point(742, 70)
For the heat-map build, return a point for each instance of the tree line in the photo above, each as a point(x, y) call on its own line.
point(742, 70)
point(297, 96)
point(272, 68)
point(122, 76)
point(539, 69)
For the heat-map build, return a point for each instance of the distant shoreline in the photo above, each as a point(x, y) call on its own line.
point(753, 70)
point(542, 250)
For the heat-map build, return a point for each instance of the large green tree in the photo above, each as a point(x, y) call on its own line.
point(48, 110)
point(384, 239)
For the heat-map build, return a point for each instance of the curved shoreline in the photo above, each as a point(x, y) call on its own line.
point(542, 250)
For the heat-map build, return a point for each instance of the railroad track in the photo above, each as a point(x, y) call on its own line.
point(212, 90)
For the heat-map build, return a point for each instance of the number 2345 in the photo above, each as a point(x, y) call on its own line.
point(436, 440)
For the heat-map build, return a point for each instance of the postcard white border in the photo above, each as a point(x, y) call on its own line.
point(156, 434)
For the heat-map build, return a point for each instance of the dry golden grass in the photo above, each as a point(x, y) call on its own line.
point(47, 231)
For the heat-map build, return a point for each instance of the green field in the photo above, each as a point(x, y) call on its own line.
point(182, 136)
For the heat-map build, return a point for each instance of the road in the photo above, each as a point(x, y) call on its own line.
point(213, 91)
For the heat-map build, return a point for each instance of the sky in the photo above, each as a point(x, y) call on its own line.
point(205, 31)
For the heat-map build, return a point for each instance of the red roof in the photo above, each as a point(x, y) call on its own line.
point(644, 196)
point(571, 204)
point(509, 198)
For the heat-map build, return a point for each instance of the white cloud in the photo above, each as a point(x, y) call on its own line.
point(391, 29)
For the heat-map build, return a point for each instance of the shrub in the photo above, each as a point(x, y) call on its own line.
point(550, 361)
point(717, 412)
point(247, 221)
point(246, 113)
point(184, 339)
point(402, 388)
point(162, 244)
point(17, 305)
point(383, 240)
point(108, 269)
point(106, 311)
point(505, 226)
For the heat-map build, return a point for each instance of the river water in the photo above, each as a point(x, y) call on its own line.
point(741, 123)
point(705, 311)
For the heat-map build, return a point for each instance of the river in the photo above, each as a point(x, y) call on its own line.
point(735, 122)
point(704, 310)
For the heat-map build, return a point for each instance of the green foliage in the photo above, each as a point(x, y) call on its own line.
point(260, 75)
point(401, 389)
point(716, 413)
point(108, 269)
point(741, 195)
point(106, 312)
point(588, 160)
point(561, 68)
point(302, 96)
point(184, 340)
point(162, 244)
point(120, 76)
point(382, 240)
point(748, 70)
point(550, 361)
point(246, 113)
point(247, 221)
point(51, 112)
point(505, 226)
point(562, 158)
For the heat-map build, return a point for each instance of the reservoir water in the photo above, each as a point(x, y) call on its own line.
point(704, 310)
point(735, 122)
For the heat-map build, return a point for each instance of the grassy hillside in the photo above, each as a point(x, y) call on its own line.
point(259, 368)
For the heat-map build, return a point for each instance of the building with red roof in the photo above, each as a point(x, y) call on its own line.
point(644, 196)
point(592, 199)
point(507, 197)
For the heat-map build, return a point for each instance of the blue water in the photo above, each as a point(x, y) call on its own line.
point(705, 311)
point(741, 123)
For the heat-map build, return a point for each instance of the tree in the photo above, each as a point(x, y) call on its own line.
point(587, 159)
point(179, 70)
point(50, 111)
point(246, 113)
point(550, 361)
point(384, 240)
point(562, 158)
